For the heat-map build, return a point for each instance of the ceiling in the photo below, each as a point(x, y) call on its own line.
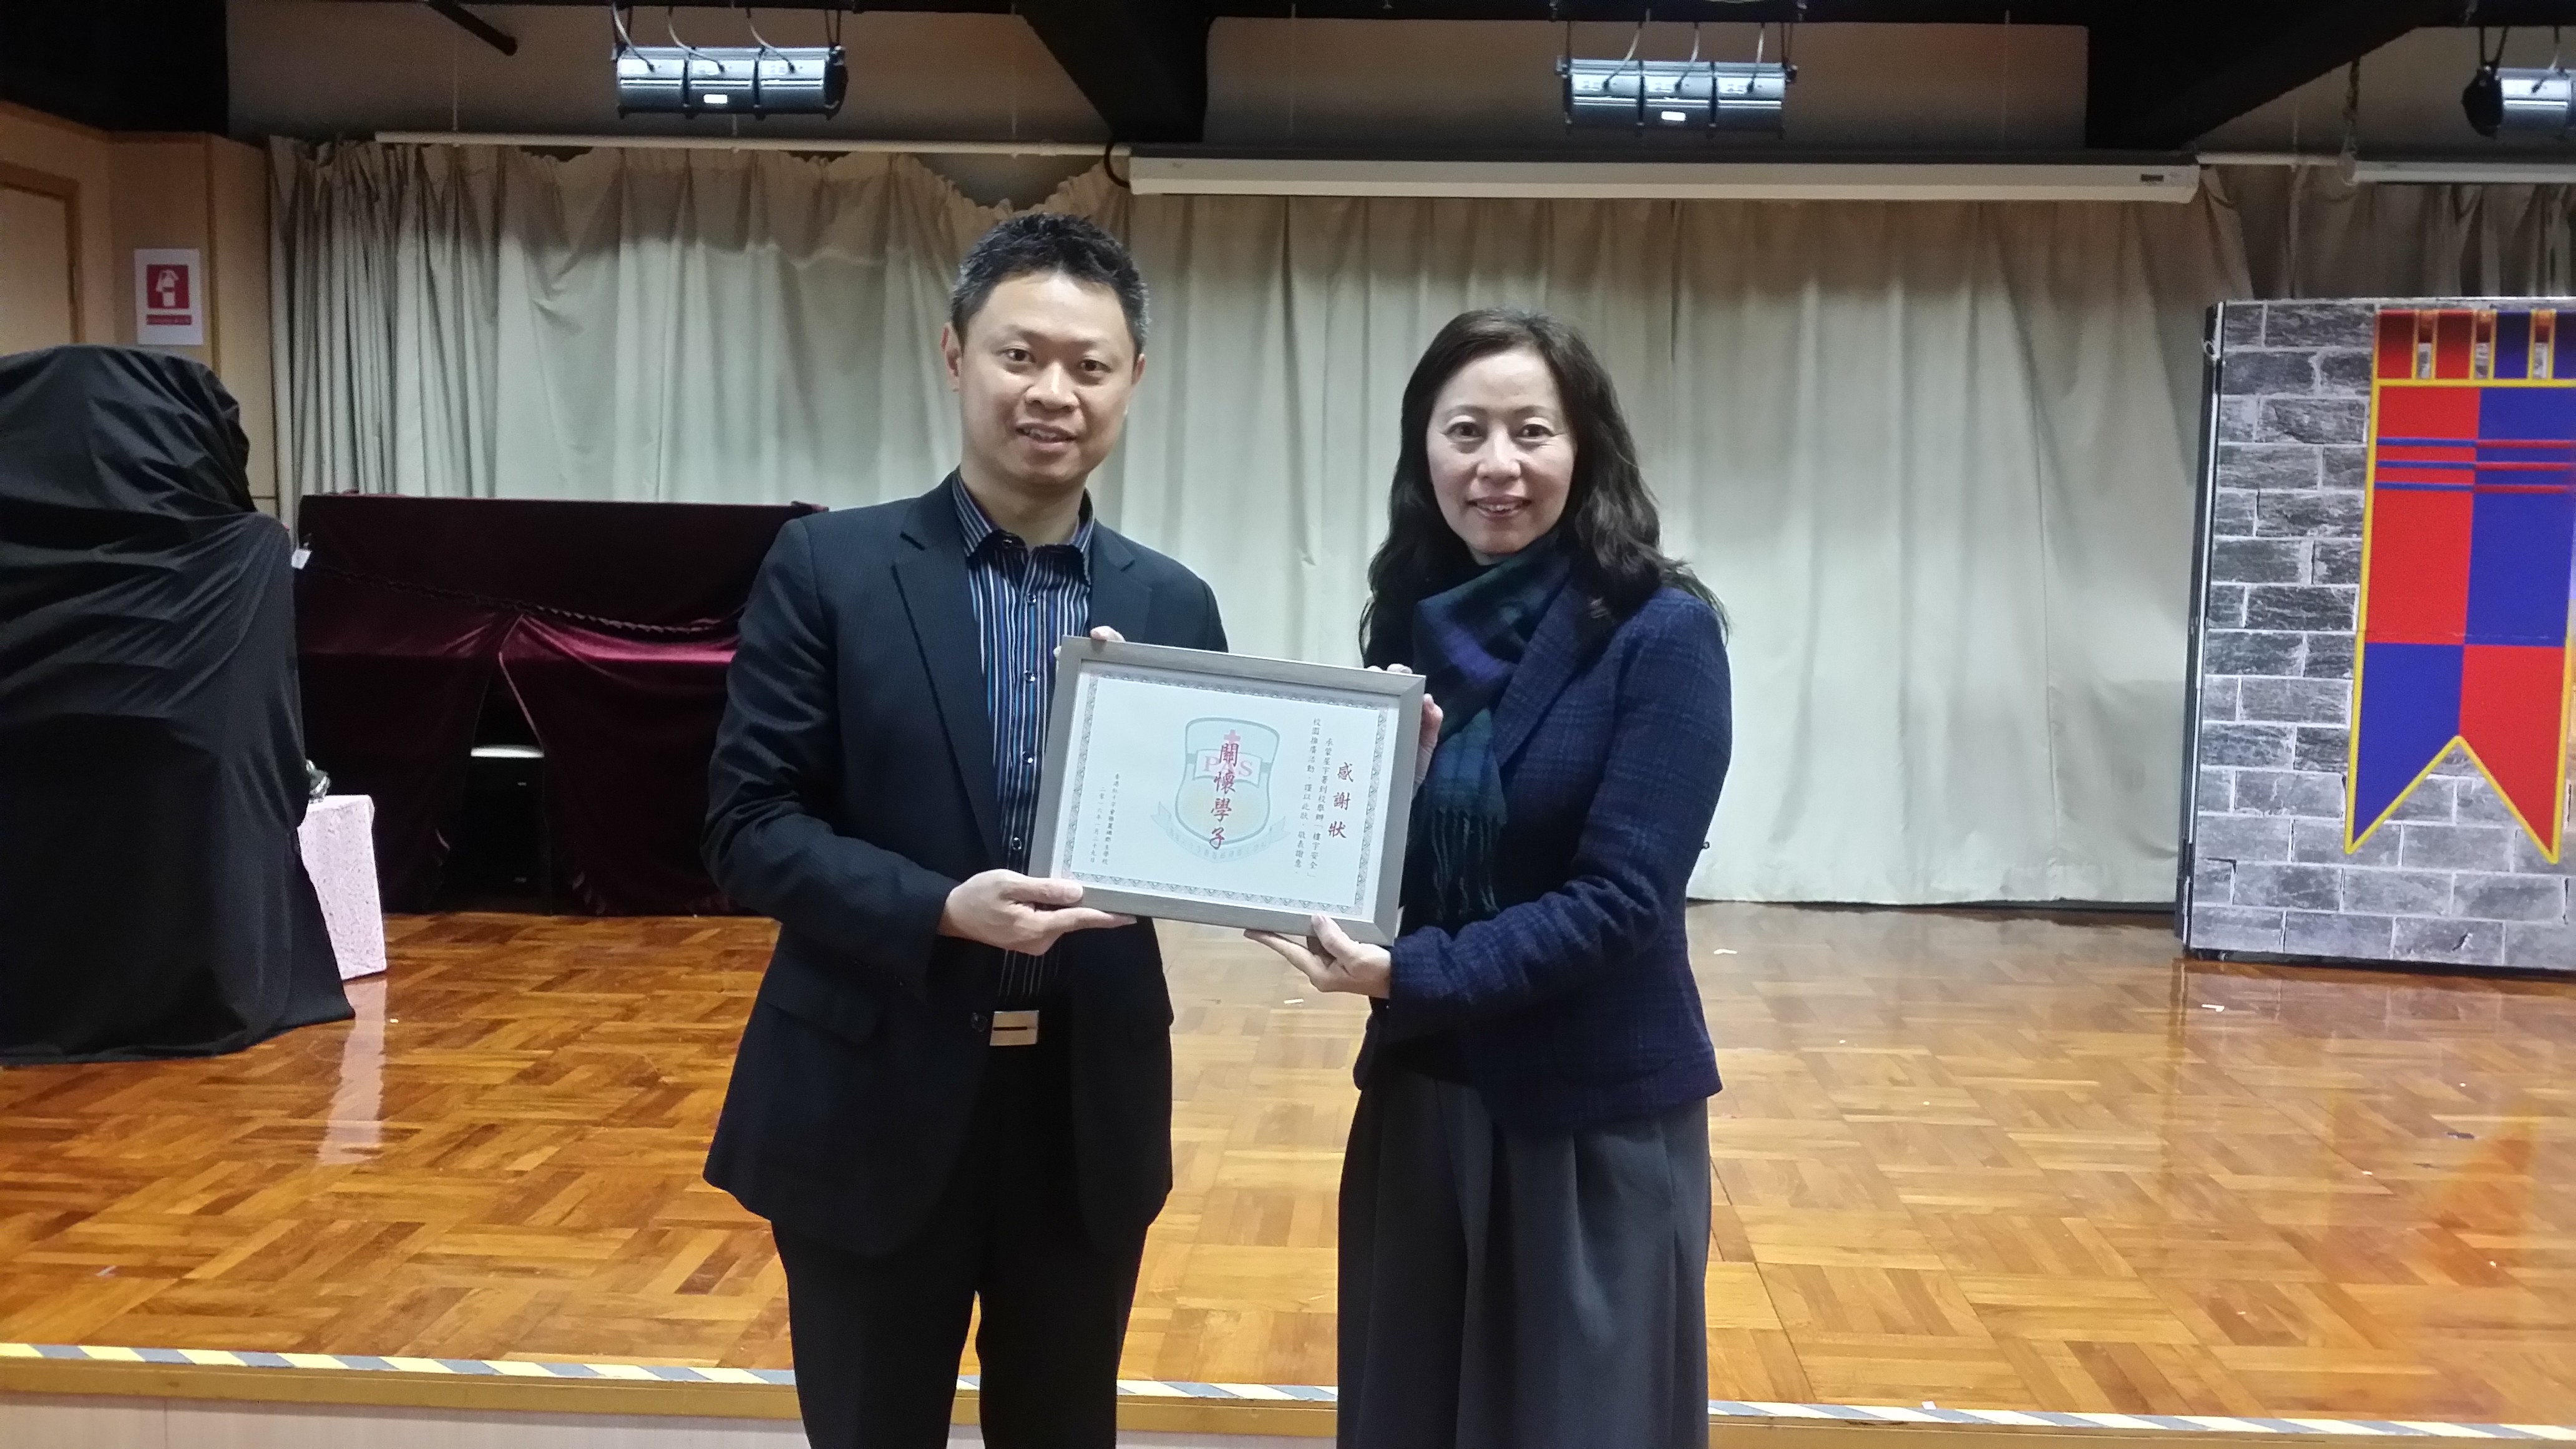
point(2159, 75)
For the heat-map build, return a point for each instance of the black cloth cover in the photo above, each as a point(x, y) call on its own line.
point(152, 899)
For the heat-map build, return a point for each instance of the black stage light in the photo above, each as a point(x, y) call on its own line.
point(728, 80)
point(2520, 99)
point(2524, 101)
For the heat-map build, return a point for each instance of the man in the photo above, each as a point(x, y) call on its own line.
point(956, 1082)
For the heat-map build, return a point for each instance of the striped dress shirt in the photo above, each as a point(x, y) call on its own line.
point(1026, 600)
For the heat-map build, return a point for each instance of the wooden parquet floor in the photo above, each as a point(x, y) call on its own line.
point(1989, 1161)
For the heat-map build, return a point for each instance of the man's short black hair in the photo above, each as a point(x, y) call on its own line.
point(1037, 243)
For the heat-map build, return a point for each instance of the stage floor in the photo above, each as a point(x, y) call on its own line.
point(1987, 1161)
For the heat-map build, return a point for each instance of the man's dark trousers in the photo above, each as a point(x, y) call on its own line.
point(881, 1332)
point(870, 1118)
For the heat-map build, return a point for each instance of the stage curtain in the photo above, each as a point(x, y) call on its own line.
point(1936, 459)
point(383, 301)
point(393, 683)
point(627, 725)
point(2309, 232)
point(610, 624)
point(642, 325)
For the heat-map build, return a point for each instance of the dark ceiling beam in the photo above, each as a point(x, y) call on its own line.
point(1141, 63)
point(2161, 76)
point(476, 26)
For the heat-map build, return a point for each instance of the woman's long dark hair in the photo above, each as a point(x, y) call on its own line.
point(1609, 527)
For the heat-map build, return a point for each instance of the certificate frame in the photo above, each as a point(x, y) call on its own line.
point(1071, 791)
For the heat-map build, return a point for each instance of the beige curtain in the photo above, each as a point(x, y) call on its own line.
point(2310, 232)
point(1936, 458)
point(382, 296)
point(639, 325)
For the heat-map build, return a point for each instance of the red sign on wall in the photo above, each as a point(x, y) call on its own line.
point(165, 288)
point(169, 297)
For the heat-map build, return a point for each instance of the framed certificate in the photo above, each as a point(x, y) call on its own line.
point(1228, 790)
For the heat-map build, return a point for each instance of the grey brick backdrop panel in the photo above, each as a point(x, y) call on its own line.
point(2450, 879)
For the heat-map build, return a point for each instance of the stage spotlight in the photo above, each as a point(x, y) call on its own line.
point(1706, 96)
point(698, 80)
point(2524, 101)
point(694, 80)
point(1675, 95)
point(2521, 99)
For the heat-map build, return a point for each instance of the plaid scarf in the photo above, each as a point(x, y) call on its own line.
point(1467, 642)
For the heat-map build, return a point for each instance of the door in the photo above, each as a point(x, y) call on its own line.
point(39, 281)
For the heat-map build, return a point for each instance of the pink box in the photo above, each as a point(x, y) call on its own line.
point(339, 846)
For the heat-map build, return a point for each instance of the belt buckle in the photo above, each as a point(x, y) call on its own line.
point(1015, 1028)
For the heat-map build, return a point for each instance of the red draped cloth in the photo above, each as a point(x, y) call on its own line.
point(611, 624)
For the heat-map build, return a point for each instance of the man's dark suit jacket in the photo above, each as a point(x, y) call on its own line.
point(852, 786)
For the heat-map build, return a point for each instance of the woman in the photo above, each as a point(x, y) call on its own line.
point(1525, 1199)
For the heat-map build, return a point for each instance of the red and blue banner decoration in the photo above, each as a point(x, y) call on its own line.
point(2468, 563)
